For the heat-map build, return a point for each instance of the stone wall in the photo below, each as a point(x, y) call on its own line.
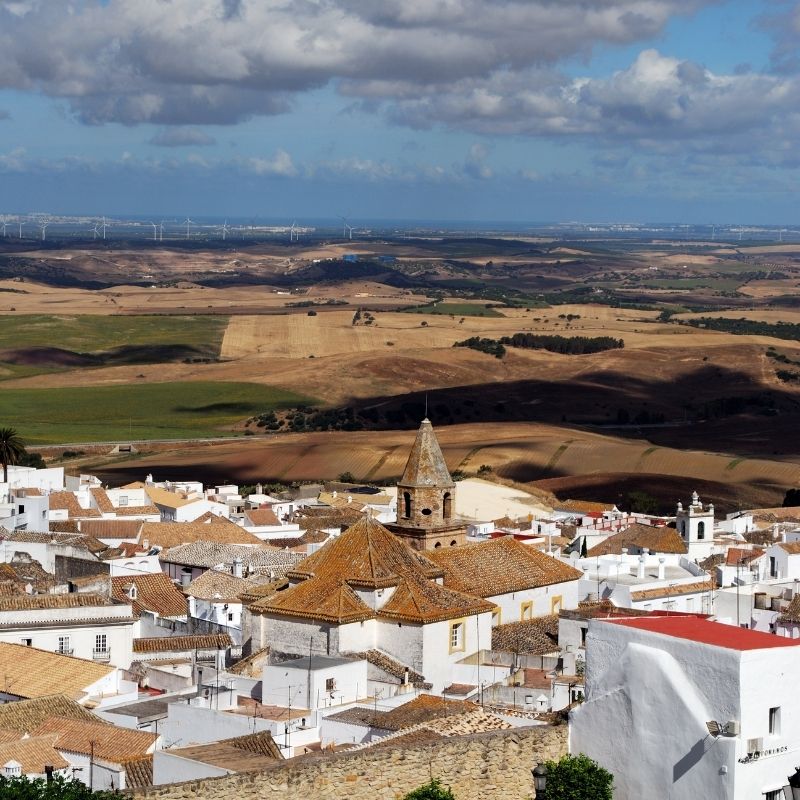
point(485, 766)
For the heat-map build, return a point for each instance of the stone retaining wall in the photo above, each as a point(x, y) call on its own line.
point(485, 766)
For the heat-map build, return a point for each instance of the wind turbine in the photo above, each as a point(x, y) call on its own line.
point(94, 230)
point(104, 226)
point(225, 229)
point(346, 229)
point(292, 234)
point(20, 229)
point(188, 223)
point(5, 225)
point(161, 231)
point(155, 231)
point(43, 226)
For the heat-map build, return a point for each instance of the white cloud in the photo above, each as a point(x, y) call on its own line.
point(279, 165)
point(182, 137)
point(220, 61)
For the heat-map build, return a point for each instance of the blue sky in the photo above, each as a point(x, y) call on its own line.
point(514, 110)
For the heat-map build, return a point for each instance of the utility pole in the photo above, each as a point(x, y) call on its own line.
point(91, 764)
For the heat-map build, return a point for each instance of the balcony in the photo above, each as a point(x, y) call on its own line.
point(65, 651)
point(101, 654)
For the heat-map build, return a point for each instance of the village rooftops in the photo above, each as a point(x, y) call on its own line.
point(25, 716)
point(29, 672)
point(98, 739)
point(537, 636)
point(34, 754)
point(215, 554)
point(792, 548)
point(177, 644)
point(221, 586)
point(499, 566)
point(153, 592)
point(241, 754)
point(696, 628)
point(655, 539)
point(172, 534)
point(586, 507)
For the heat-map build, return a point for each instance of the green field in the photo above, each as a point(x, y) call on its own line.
point(456, 309)
point(140, 411)
point(93, 333)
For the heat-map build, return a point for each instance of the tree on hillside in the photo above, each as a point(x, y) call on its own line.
point(431, 791)
point(12, 449)
point(60, 788)
point(578, 778)
point(791, 498)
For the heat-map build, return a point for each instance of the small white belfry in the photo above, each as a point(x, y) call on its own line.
point(695, 525)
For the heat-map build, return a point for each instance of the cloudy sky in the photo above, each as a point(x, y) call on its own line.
point(520, 110)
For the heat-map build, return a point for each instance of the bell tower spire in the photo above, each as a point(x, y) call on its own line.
point(426, 496)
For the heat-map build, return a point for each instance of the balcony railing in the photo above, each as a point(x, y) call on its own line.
point(101, 654)
point(65, 651)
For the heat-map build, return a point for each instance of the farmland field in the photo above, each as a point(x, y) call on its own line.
point(139, 411)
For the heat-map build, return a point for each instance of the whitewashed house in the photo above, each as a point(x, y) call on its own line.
point(682, 707)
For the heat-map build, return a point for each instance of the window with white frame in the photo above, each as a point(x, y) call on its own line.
point(101, 644)
point(457, 636)
point(64, 645)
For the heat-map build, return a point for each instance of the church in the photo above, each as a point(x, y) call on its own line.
point(415, 595)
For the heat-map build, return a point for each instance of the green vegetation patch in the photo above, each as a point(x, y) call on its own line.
point(747, 327)
point(185, 410)
point(567, 345)
point(491, 346)
point(456, 310)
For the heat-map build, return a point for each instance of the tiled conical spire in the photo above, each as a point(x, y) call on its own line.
point(426, 465)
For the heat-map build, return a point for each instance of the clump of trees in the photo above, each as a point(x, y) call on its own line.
point(748, 327)
point(60, 788)
point(566, 345)
point(433, 790)
point(490, 346)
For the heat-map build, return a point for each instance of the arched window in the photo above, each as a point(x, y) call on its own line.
point(438, 544)
point(407, 505)
point(683, 527)
point(453, 543)
point(447, 505)
point(701, 530)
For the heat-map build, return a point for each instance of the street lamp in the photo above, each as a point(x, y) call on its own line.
point(794, 786)
point(540, 782)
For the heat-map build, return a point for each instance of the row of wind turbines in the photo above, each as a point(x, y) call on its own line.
point(100, 228)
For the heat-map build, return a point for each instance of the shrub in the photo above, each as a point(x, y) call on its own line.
point(578, 778)
point(431, 791)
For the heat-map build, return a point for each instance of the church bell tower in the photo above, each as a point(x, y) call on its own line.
point(426, 497)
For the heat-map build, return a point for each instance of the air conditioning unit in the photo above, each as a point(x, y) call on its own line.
point(755, 745)
point(733, 727)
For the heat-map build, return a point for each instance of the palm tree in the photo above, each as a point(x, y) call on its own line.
point(11, 449)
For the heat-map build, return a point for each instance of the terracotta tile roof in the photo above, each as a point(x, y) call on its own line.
point(411, 737)
point(171, 534)
point(30, 571)
point(154, 592)
point(583, 506)
point(424, 708)
point(63, 526)
point(25, 716)
point(102, 500)
point(33, 754)
point(38, 537)
point(173, 644)
point(297, 542)
point(792, 612)
point(672, 591)
point(136, 511)
point(163, 497)
point(241, 754)
point(599, 609)
point(32, 491)
point(219, 586)
point(420, 600)
point(461, 689)
point(657, 540)
point(537, 636)
point(138, 772)
point(43, 602)
point(712, 561)
point(215, 554)
point(263, 591)
point(536, 679)
point(66, 501)
point(500, 566)
point(111, 743)
point(738, 555)
point(368, 556)
point(111, 528)
point(391, 666)
point(29, 672)
point(792, 548)
point(262, 516)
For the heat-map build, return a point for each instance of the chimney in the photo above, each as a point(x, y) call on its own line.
point(640, 572)
point(661, 561)
point(237, 567)
point(186, 578)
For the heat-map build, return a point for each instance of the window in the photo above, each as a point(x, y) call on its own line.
point(123, 500)
point(701, 530)
point(555, 604)
point(230, 617)
point(773, 567)
point(775, 794)
point(100, 646)
point(406, 504)
point(456, 636)
point(584, 633)
point(495, 617)
point(330, 684)
point(27, 642)
point(775, 721)
point(447, 505)
point(64, 645)
point(21, 509)
point(526, 610)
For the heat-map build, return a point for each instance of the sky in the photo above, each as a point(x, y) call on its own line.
point(494, 110)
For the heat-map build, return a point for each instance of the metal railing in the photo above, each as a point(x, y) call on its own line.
point(101, 654)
